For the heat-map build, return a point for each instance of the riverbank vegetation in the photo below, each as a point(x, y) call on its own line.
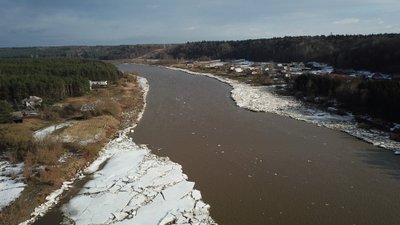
point(57, 156)
point(377, 99)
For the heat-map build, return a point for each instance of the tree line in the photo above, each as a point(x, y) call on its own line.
point(52, 79)
point(379, 99)
point(87, 52)
point(377, 53)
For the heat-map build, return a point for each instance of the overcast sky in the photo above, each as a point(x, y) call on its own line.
point(114, 22)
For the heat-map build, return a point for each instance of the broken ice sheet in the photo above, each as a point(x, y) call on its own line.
point(137, 187)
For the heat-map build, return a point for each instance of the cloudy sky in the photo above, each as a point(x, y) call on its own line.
point(100, 22)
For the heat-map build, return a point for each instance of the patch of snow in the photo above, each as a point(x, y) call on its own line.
point(69, 139)
point(11, 182)
point(63, 158)
point(41, 134)
point(264, 99)
point(238, 70)
point(396, 127)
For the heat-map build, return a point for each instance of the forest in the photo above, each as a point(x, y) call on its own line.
point(376, 53)
point(52, 79)
point(380, 99)
point(87, 52)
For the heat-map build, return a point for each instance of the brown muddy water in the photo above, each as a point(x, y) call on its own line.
point(261, 168)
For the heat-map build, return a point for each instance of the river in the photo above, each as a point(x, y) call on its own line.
point(261, 168)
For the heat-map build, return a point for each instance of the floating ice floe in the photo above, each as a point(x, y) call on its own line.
point(265, 99)
point(11, 182)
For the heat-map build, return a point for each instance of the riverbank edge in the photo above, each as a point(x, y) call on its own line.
point(200, 210)
point(377, 138)
point(54, 197)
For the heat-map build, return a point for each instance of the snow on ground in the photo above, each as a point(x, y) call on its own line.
point(145, 87)
point(134, 187)
point(264, 99)
point(11, 182)
point(43, 133)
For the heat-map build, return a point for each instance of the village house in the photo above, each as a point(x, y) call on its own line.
point(93, 84)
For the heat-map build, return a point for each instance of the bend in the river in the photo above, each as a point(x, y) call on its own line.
point(261, 168)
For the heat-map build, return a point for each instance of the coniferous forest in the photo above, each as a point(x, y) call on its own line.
point(378, 98)
point(52, 79)
point(377, 53)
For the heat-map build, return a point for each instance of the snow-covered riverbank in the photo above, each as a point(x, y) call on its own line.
point(134, 187)
point(11, 182)
point(137, 187)
point(264, 99)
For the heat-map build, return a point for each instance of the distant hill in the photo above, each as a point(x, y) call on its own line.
point(91, 52)
point(378, 53)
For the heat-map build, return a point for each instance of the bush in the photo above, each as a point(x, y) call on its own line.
point(5, 112)
point(70, 110)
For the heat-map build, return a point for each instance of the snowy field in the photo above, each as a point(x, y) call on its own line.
point(11, 182)
point(134, 187)
point(264, 99)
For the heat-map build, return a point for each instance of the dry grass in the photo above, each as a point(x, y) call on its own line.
point(99, 126)
point(96, 128)
point(16, 139)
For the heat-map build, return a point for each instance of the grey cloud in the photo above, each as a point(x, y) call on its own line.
point(49, 22)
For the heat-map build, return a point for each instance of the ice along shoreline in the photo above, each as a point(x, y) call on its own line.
point(264, 99)
point(137, 185)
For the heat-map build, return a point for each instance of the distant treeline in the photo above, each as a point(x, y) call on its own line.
point(88, 52)
point(378, 53)
point(50, 79)
point(377, 98)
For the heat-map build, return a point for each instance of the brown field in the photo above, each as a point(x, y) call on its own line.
point(44, 172)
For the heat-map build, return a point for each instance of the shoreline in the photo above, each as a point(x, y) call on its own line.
point(263, 99)
point(54, 197)
point(115, 153)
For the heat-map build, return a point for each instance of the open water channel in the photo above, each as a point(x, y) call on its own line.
point(261, 168)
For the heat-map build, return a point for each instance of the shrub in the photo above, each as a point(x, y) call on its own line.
point(5, 112)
